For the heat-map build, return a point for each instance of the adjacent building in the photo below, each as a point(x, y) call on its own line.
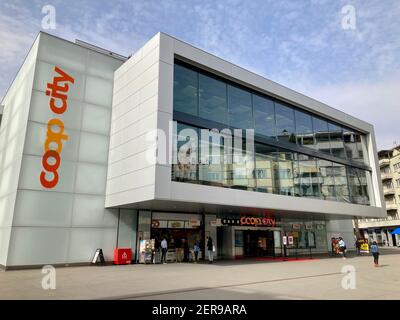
point(102, 151)
point(380, 229)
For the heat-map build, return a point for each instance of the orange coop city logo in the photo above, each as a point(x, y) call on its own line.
point(51, 160)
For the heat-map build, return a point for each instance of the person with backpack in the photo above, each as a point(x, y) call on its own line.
point(375, 253)
point(342, 247)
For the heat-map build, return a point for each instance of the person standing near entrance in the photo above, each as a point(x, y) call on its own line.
point(179, 250)
point(342, 246)
point(210, 249)
point(164, 249)
point(375, 253)
point(196, 249)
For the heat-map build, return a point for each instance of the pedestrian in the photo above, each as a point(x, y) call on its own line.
point(210, 248)
point(179, 250)
point(375, 253)
point(358, 246)
point(185, 250)
point(196, 249)
point(164, 250)
point(342, 247)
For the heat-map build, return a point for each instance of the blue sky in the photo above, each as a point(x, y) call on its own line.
point(298, 43)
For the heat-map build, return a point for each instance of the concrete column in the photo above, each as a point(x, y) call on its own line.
point(340, 228)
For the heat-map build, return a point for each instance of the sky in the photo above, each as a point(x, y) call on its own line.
point(343, 53)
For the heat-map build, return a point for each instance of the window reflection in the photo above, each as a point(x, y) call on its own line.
point(304, 129)
point(358, 185)
point(321, 135)
point(240, 110)
point(266, 162)
point(284, 173)
point(307, 182)
point(285, 123)
point(264, 116)
point(212, 99)
point(185, 90)
point(336, 140)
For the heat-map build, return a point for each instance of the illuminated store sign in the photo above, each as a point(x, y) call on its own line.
point(250, 221)
point(58, 91)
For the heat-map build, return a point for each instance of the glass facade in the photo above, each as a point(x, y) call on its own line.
point(273, 166)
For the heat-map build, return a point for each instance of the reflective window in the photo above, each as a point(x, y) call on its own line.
point(336, 140)
point(266, 162)
point(213, 169)
point(264, 116)
point(321, 135)
point(307, 177)
point(327, 180)
point(186, 154)
point(341, 185)
point(240, 110)
point(285, 123)
point(212, 99)
point(284, 173)
point(185, 90)
point(304, 129)
point(358, 185)
point(241, 171)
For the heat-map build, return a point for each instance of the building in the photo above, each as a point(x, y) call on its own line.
point(380, 229)
point(78, 148)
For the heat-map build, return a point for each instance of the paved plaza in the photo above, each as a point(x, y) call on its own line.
point(320, 278)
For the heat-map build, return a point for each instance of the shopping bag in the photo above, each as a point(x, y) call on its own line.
point(213, 248)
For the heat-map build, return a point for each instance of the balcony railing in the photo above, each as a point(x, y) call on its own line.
point(386, 176)
point(391, 206)
point(388, 191)
point(384, 162)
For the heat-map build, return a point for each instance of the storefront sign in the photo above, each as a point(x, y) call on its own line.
point(309, 226)
point(296, 226)
point(284, 240)
point(290, 240)
point(253, 221)
point(53, 145)
point(176, 224)
point(194, 223)
point(250, 221)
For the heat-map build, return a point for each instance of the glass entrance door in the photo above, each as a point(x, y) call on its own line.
point(258, 243)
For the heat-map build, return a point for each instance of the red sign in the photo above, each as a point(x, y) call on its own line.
point(51, 160)
point(254, 221)
point(122, 255)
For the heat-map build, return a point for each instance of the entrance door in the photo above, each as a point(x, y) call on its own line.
point(258, 243)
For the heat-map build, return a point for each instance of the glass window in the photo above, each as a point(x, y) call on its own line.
point(240, 111)
point(264, 116)
point(336, 140)
point(185, 90)
point(284, 173)
point(321, 135)
point(353, 145)
point(214, 170)
point(241, 171)
point(304, 129)
point(358, 185)
point(327, 180)
point(186, 153)
point(266, 162)
point(212, 99)
point(306, 177)
point(341, 185)
point(285, 123)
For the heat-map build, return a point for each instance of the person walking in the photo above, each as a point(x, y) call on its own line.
point(185, 250)
point(342, 247)
point(164, 250)
point(375, 253)
point(210, 248)
point(196, 249)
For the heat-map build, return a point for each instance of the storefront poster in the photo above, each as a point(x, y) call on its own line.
point(290, 240)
